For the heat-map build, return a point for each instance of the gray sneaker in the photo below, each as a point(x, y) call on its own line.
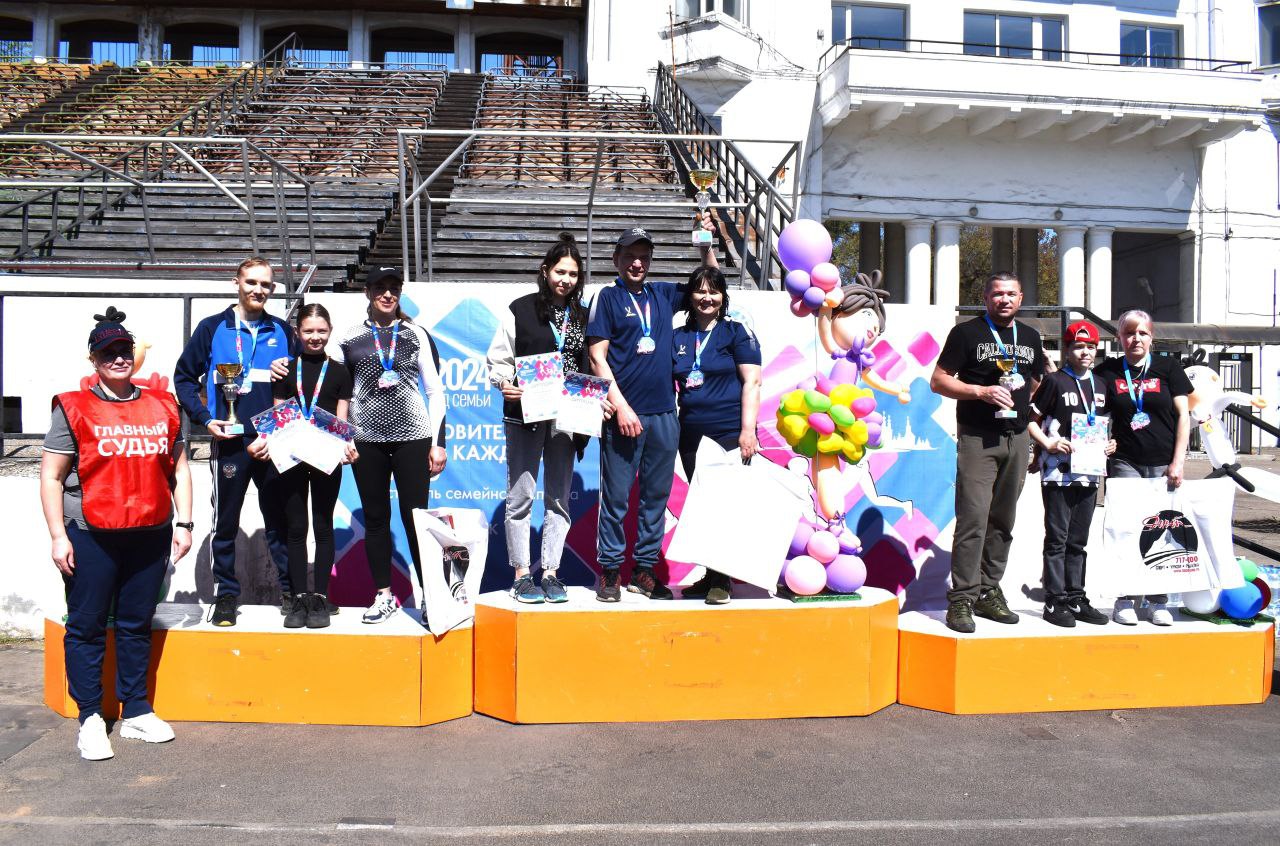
point(553, 589)
point(524, 590)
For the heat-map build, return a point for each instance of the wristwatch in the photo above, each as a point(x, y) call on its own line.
point(188, 526)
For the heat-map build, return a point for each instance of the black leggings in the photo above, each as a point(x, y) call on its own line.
point(297, 483)
point(409, 463)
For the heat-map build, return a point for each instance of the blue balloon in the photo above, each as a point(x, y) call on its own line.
point(1241, 603)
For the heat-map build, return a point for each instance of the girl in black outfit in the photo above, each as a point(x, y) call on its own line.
point(333, 394)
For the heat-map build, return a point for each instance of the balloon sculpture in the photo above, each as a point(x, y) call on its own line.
point(830, 419)
point(1207, 403)
point(1238, 603)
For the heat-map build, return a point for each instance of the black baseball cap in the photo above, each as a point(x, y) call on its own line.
point(110, 329)
point(632, 236)
point(385, 275)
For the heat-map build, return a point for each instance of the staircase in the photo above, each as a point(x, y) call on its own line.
point(28, 91)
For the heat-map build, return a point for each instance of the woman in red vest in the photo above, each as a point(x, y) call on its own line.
point(113, 474)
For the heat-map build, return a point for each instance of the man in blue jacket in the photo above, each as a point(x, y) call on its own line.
point(262, 345)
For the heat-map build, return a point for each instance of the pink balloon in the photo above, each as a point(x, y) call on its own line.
point(850, 544)
point(844, 372)
point(797, 282)
point(846, 574)
point(863, 406)
point(825, 276)
point(805, 576)
point(823, 384)
point(808, 384)
point(813, 298)
point(803, 244)
point(799, 309)
point(822, 422)
point(823, 546)
point(800, 540)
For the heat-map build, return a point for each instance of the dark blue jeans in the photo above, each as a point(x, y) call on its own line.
point(233, 468)
point(126, 568)
point(652, 457)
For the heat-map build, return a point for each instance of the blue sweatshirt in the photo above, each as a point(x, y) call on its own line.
point(214, 342)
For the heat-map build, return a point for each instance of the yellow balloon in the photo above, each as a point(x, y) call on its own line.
point(852, 452)
point(858, 432)
point(844, 394)
point(794, 401)
point(793, 428)
point(831, 443)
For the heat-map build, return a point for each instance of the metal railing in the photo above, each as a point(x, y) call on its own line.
point(150, 164)
point(415, 187)
point(765, 212)
point(294, 298)
point(1009, 51)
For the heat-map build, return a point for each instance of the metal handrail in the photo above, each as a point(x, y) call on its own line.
point(949, 48)
point(739, 182)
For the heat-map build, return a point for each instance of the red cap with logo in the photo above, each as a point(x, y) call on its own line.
point(1081, 330)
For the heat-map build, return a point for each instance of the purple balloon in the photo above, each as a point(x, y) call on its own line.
point(844, 372)
point(804, 244)
point(813, 298)
point(800, 540)
point(846, 574)
point(850, 544)
point(797, 283)
point(873, 434)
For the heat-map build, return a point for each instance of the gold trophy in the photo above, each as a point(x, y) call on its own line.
point(1006, 363)
point(702, 179)
point(230, 390)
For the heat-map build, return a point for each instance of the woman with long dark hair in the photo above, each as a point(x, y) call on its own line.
point(401, 428)
point(550, 319)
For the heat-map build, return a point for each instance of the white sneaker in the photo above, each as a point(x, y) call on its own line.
point(383, 607)
point(1159, 614)
point(147, 727)
point(1125, 613)
point(93, 742)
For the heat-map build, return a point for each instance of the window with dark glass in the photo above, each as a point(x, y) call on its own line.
point(869, 27)
point(689, 9)
point(1269, 34)
point(1149, 46)
point(1014, 36)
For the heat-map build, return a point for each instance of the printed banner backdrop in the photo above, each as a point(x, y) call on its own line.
point(899, 499)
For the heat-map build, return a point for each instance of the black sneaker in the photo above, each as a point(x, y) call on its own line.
point(1086, 613)
point(991, 605)
point(1059, 615)
point(524, 590)
point(330, 607)
point(700, 588)
point(224, 610)
point(297, 616)
point(287, 603)
point(644, 582)
point(607, 590)
point(317, 612)
point(721, 592)
point(960, 616)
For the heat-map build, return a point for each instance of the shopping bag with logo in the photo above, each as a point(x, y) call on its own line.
point(1157, 540)
point(453, 543)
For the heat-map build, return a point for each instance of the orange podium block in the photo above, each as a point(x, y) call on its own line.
point(1034, 666)
point(642, 661)
point(259, 672)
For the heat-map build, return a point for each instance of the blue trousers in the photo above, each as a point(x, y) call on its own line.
point(126, 568)
point(233, 468)
point(652, 457)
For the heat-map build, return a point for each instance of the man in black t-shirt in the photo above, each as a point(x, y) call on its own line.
point(990, 366)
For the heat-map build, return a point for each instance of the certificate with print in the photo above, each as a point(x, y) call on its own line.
point(1089, 445)
point(541, 381)
point(582, 405)
point(310, 444)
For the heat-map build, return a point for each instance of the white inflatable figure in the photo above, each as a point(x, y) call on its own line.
point(1207, 403)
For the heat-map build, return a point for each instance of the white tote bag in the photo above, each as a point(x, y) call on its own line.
point(451, 580)
point(1157, 540)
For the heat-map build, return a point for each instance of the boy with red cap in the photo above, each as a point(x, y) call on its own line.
point(1071, 399)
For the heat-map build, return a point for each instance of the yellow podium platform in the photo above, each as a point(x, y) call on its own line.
point(639, 660)
point(259, 672)
point(1035, 666)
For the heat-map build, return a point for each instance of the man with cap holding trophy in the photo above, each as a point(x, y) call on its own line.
point(232, 358)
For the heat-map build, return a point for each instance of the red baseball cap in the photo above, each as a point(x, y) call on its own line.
point(1081, 330)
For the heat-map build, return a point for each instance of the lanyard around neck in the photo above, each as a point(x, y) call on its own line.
point(645, 325)
point(700, 344)
point(563, 331)
point(388, 361)
point(1137, 395)
point(1091, 408)
point(253, 328)
point(1004, 351)
point(315, 395)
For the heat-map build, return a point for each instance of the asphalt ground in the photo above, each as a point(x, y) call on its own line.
point(903, 775)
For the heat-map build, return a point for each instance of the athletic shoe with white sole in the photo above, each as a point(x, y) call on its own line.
point(382, 609)
point(146, 727)
point(1125, 613)
point(1159, 614)
point(93, 743)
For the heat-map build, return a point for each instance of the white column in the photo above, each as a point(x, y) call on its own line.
point(895, 262)
point(43, 43)
point(947, 270)
point(250, 38)
point(464, 46)
point(1100, 271)
point(1187, 312)
point(1070, 265)
point(919, 260)
point(358, 40)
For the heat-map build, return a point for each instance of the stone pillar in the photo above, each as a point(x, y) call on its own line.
point(250, 38)
point(1001, 249)
point(868, 246)
point(571, 50)
point(1187, 274)
point(44, 43)
point(919, 260)
point(1099, 279)
point(358, 40)
point(464, 46)
point(150, 39)
point(947, 269)
point(1070, 265)
point(895, 262)
point(1029, 265)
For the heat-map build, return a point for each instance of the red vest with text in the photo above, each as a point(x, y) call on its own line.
point(125, 458)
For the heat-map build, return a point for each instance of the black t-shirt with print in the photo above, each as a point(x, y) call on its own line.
point(1059, 400)
point(1161, 381)
point(971, 352)
point(337, 382)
